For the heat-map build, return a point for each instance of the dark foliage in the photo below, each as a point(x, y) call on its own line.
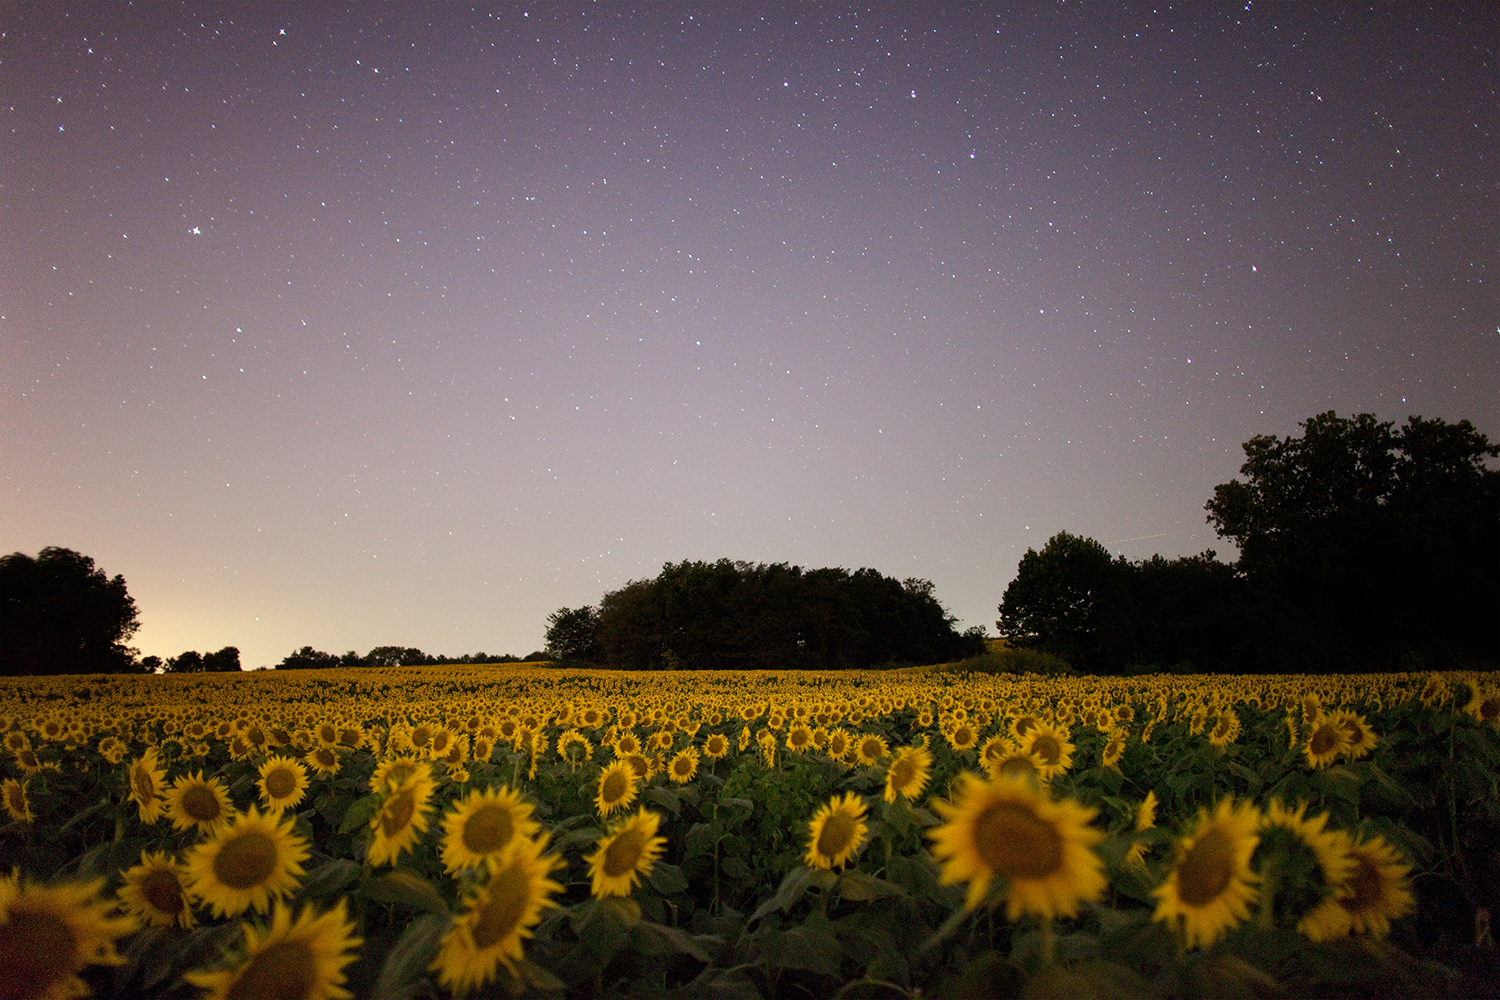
point(226, 660)
point(743, 616)
point(59, 614)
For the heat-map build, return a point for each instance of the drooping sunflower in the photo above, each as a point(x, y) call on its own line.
point(1145, 819)
point(617, 787)
point(626, 854)
point(17, 805)
point(48, 934)
point(155, 891)
point(907, 773)
point(246, 864)
point(1010, 828)
point(301, 959)
point(402, 817)
point(147, 777)
point(574, 748)
point(1211, 887)
point(836, 832)
point(684, 766)
point(282, 784)
point(1374, 891)
point(497, 918)
point(1327, 740)
point(486, 827)
point(870, 749)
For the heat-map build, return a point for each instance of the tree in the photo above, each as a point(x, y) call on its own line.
point(1071, 599)
point(1369, 545)
point(308, 658)
point(60, 614)
point(573, 634)
point(226, 660)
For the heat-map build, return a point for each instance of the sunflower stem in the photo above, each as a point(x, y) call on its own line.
point(1049, 942)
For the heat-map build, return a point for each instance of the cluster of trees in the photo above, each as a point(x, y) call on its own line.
point(60, 614)
point(741, 616)
point(225, 661)
point(308, 658)
point(1363, 546)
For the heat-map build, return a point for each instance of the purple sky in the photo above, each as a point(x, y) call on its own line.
point(409, 324)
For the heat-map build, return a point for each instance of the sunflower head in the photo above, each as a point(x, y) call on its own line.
point(155, 892)
point(486, 828)
point(907, 773)
point(48, 934)
point(836, 832)
point(301, 959)
point(1211, 885)
point(617, 786)
point(249, 862)
point(626, 854)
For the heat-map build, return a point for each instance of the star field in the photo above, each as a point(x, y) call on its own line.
point(360, 325)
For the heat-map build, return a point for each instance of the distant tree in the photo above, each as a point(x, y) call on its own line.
point(573, 634)
point(1369, 545)
point(308, 658)
point(1071, 599)
point(190, 662)
point(225, 661)
point(60, 614)
point(152, 664)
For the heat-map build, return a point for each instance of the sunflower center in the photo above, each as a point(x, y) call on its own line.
point(398, 812)
point(504, 907)
point(903, 772)
point(1489, 709)
point(36, 951)
point(281, 782)
point(349, 737)
point(246, 861)
point(163, 891)
point(1324, 739)
point(145, 785)
point(1205, 870)
point(1363, 885)
point(1018, 766)
point(624, 853)
point(1016, 842)
point(285, 971)
point(489, 829)
point(1024, 725)
point(836, 836)
point(325, 757)
point(615, 786)
point(201, 805)
point(1046, 747)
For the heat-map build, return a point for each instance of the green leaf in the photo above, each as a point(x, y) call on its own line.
point(810, 949)
point(404, 888)
point(538, 978)
point(658, 939)
point(792, 889)
point(739, 808)
point(331, 879)
point(667, 879)
point(666, 798)
point(408, 961)
point(857, 886)
point(359, 813)
point(701, 838)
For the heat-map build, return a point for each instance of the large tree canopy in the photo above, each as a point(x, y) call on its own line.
point(1369, 541)
point(60, 614)
point(744, 616)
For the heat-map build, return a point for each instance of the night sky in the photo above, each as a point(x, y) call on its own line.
point(410, 324)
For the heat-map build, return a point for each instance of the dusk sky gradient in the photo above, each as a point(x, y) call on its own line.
point(410, 324)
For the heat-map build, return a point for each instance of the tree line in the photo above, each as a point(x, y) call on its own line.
point(729, 615)
point(1362, 546)
point(308, 658)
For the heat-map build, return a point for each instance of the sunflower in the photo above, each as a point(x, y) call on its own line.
point(836, 832)
point(1114, 750)
point(617, 786)
point(962, 737)
point(48, 934)
point(1484, 705)
point(1210, 887)
point(574, 748)
point(282, 784)
point(301, 959)
point(1302, 862)
point(1013, 762)
point(908, 772)
point(840, 745)
point(799, 738)
point(627, 743)
point(1145, 819)
point(393, 771)
point(17, 805)
point(324, 759)
point(497, 919)
point(716, 746)
point(246, 864)
point(1009, 827)
point(625, 854)
point(153, 891)
point(1327, 740)
point(1362, 738)
point(146, 779)
point(1374, 892)
point(684, 766)
point(1050, 743)
point(402, 817)
point(870, 749)
point(487, 826)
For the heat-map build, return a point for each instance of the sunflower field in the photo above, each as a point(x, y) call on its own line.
point(525, 830)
